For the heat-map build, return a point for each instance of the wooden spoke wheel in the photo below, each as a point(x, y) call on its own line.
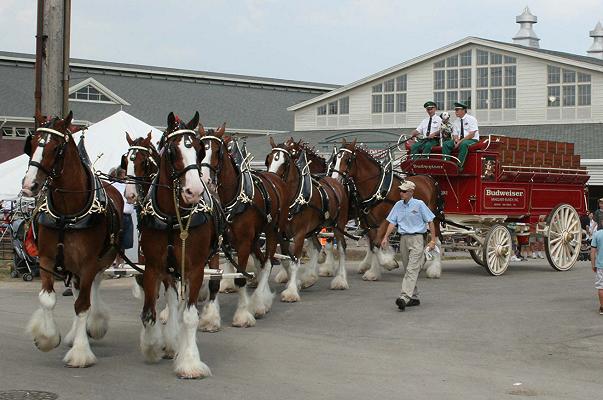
point(562, 243)
point(497, 250)
point(478, 255)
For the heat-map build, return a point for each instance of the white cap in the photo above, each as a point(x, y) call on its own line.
point(407, 185)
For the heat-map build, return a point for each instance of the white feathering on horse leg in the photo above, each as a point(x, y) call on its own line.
point(242, 317)
point(434, 267)
point(151, 342)
point(340, 282)
point(80, 355)
point(187, 363)
point(291, 293)
point(136, 290)
point(365, 264)
point(70, 336)
point(172, 325)
point(310, 274)
point(327, 268)
point(211, 321)
point(164, 315)
point(97, 323)
point(227, 285)
point(374, 273)
point(387, 258)
point(261, 301)
point(283, 276)
point(42, 326)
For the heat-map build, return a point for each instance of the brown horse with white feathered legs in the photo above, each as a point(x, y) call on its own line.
point(78, 223)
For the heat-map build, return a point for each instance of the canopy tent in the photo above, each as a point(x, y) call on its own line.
point(105, 143)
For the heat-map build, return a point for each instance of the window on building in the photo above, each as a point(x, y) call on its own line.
point(465, 58)
point(584, 95)
point(510, 60)
point(451, 98)
point(333, 107)
point(401, 83)
point(482, 77)
point(482, 99)
point(452, 78)
point(344, 105)
point(377, 106)
point(553, 74)
point(401, 102)
point(388, 86)
point(496, 76)
point(569, 96)
point(465, 80)
point(438, 98)
point(89, 93)
point(439, 64)
point(496, 58)
point(465, 97)
point(482, 57)
point(510, 75)
point(439, 80)
point(393, 98)
point(510, 98)
point(567, 87)
point(495, 98)
point(321, 110)
point(15, 132)
point(452, 61)
point(554, 96)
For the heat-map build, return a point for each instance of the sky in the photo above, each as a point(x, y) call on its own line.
point(327, 41)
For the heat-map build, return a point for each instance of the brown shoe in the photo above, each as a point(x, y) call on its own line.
point(600, 310)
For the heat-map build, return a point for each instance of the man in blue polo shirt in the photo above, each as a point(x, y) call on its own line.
point(596, 258)
point(412, 217)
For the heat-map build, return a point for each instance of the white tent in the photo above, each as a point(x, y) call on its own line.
point(105, 143)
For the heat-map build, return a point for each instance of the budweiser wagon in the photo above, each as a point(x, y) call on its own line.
point(510, 180)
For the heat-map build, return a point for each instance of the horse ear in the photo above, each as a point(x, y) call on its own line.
point(68, 119)
point(129, 139)
point(220, 131)
point(354, 143)
point(149, 137)
point(344, 141)
point(272, 142)
point(40, 119)
point(193, 123)
point(171, 120)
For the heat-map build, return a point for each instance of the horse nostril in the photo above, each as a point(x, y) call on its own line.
point(188, 192)
point(34, 186)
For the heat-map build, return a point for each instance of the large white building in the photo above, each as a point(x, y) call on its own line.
point(515, 89)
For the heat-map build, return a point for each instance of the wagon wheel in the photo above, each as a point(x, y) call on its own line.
point(478, 254)
point(497, 250)
point(562, 243)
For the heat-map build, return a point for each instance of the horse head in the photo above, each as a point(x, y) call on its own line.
point(345, 160)
point(46, 148)
point(214, 145)
point(179, 147)
point(280, 158)
point(141, 161)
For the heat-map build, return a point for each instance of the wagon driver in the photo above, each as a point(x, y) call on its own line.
point(428, 132)
point(412, 217)
point(466, 132)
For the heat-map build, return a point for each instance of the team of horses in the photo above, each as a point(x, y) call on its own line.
point(196, 197)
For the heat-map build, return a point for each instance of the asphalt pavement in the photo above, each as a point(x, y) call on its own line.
point(532, 332)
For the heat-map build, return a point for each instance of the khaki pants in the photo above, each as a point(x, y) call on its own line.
point(411, 250)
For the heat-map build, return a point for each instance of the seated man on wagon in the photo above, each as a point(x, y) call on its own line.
point(466, 133)
point(428, 132)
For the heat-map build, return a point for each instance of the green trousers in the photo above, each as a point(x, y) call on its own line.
point(423, 146)
point(448, 146)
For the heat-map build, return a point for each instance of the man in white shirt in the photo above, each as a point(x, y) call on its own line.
point(466, 132)
point(428, 132)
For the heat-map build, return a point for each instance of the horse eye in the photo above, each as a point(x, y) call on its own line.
point(207, 146)
point(339, 155)
point(276, 157)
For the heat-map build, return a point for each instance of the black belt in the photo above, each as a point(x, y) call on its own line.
point(412, 234)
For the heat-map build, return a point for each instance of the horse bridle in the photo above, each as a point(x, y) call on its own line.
point(221, 145)
point(59, 151)
point(130, 156)
point(349, 161)
point(287, 160)
point(175, 174)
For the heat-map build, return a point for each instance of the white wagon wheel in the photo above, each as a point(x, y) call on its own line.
point(497, 250)
point(562, 242)
point(478, 254)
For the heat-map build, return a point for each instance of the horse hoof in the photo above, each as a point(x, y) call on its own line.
point(339, 284)
point(79, 358)
point(281, 277)
point(169, 354)
point(363, 268)
point(243, 319)
point(289, 297)
point(370, 276)
point(309, 281)
point(45, 343)
point(325, 272)
point(209, 328)
point(197, 372)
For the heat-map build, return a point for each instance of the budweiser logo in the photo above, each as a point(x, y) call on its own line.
point(509, 192)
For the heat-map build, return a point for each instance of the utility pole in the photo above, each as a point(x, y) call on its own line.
point(52, 57)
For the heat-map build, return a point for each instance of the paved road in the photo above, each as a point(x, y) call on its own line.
point(473, 337)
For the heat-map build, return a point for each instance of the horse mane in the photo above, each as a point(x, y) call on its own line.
point(310, 151)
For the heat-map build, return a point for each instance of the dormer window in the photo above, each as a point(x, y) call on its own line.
point(90, 93)
point(91, 90)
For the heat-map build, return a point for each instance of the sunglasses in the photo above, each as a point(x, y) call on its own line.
point(403, 191)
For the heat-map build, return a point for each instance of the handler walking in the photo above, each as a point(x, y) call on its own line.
point(412, 217)
point(428, 132)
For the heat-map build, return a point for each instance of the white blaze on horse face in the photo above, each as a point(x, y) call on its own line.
point(32, 172)
point(192, 187)
point(130, 193)
point(335, 173)
point(278, 159)
point(205, 171)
